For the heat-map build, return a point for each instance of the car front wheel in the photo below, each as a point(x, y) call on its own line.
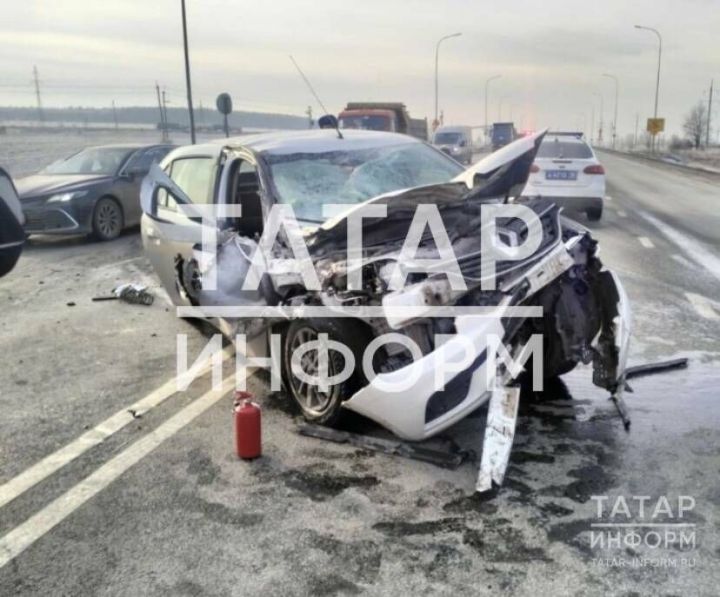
point(320, 405)
point(107, 221)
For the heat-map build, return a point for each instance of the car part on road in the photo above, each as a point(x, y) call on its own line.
point(652, 368)
point(499, 436)
point(130, 293)
point(444, 459)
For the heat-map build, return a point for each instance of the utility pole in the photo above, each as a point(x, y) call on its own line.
point(41, 115)
point(187, 75)
point(614, 127)
point(707, 133)
point(201, 114)
point(114, 115)
point(309, 115)
point(637, 121)
point(165, 116)
point(487, 83)
point(592, 125)
point(163, 124)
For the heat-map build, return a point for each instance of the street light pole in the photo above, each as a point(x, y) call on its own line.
point(657, 81)
point(187, 75)
point(487, 83)
point(437, 52)
point(617, 86)
point(602, 113)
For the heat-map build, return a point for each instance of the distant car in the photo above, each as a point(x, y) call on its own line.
point(567, 171)
point(95, 191)
point(456, 141)
point(12, 236)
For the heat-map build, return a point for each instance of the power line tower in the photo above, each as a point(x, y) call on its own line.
point(163, 124)
point(114, 115)
point(41, 115)
point(310, 118)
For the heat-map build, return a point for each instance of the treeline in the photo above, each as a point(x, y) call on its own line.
point(151, 116)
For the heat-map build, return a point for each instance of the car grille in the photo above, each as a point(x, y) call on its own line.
point(48, 221)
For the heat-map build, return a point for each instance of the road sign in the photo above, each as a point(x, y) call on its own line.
point(224, 103)
point(655, 125)
point(224, 106)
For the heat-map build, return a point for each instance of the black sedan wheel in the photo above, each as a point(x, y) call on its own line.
point(107, 220)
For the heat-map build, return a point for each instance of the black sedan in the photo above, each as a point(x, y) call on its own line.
point(95, 191)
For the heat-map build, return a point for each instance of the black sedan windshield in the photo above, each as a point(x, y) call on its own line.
point(307, 181)
point(96, 160)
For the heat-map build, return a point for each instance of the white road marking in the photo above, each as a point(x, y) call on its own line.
point(704, 306)
point(622, 213)
point(646, 242)
point(55, 461)
point(694, 249)
point(25, 534)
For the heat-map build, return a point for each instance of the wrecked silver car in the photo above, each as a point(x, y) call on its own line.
point(401, 315)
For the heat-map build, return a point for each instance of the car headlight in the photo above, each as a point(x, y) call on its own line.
point(456, 150)
point(65, 197)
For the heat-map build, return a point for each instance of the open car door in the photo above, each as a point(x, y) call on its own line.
point(12, 235)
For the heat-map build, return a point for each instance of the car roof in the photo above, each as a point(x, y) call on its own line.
point(287, 142)
point(130, 146)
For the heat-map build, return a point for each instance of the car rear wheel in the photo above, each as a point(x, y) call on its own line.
point(318, 405)
point(594, 213)
point(108, 220)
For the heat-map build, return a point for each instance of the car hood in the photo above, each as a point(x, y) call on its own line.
point(495, 177)
point(47, 184)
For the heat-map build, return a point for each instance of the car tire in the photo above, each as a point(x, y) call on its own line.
point(316, 406)
point(594, 214)
point(108, 219)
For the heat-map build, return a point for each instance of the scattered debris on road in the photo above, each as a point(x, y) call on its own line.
point(445, 459)
point(130, 293)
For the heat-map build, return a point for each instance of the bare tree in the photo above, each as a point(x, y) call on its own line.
point(695, 124)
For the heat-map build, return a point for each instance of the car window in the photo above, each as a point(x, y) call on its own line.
point(94, 160)
point(144, 158)
point(448, 138)
point(564, 149)
point(195, 177)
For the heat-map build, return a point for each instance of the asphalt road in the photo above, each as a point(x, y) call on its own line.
point(162, 506)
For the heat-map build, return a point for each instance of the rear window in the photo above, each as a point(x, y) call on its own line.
point(564, 149)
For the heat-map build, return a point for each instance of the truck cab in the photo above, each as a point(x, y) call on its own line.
point(382, 116)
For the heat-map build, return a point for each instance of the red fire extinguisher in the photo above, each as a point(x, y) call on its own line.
point(247, 426)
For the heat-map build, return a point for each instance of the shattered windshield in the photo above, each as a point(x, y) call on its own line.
point(307, 181)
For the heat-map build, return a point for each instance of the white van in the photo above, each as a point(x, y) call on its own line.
point(456, 141)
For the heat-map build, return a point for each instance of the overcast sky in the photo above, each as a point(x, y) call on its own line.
point(551, 55)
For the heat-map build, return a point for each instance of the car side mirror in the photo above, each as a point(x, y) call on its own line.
point(463, 143)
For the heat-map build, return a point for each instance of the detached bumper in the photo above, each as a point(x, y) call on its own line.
point(414, 403)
